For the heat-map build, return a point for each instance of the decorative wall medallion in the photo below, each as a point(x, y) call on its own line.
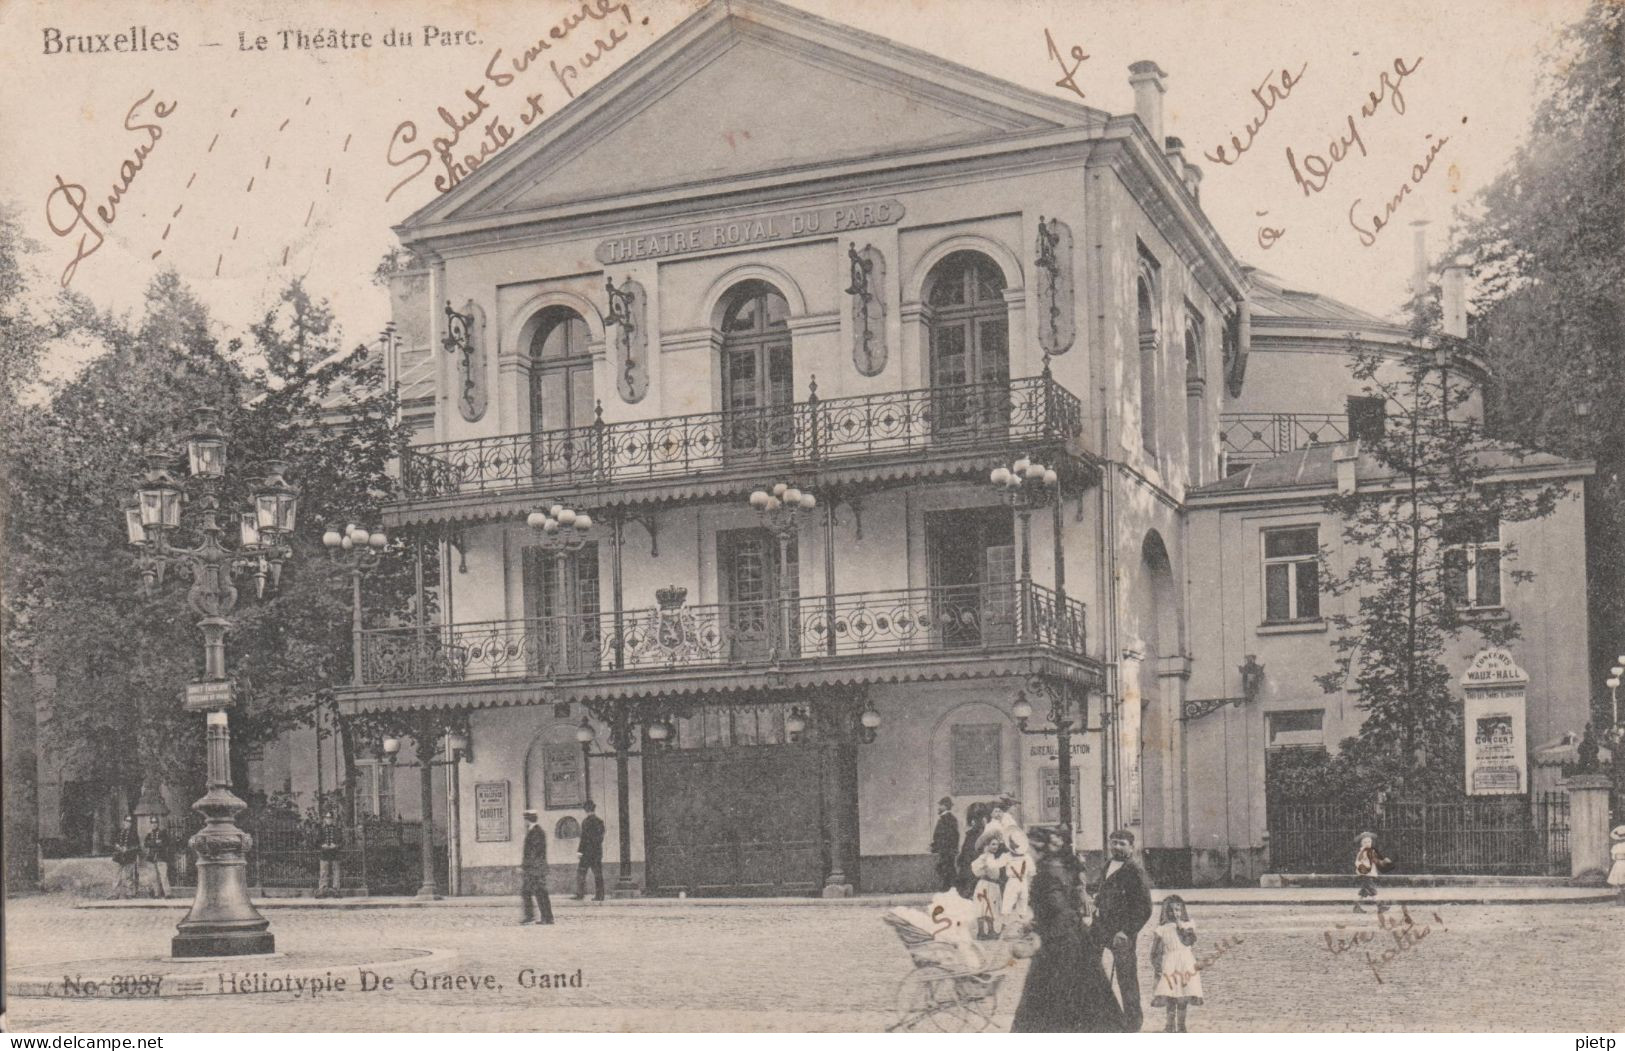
point(1057, 322)
point(628, 313)
point(867, 294)
point(465, 340)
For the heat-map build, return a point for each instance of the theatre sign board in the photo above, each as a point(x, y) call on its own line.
point(1496, 692)
point(750, 229)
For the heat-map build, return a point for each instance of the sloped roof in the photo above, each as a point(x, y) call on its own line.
point(1315, 467)
point(1270, 296)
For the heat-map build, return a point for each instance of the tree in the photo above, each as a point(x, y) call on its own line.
point(121, 659)
point(1548, 252)
point(1432, 488)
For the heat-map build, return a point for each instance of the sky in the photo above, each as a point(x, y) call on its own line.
point(242, 159)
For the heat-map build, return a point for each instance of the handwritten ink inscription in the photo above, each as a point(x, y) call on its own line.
point(68, 206)
point(1380, 947)
point(1068, 75)
point(1314, 171)
point(470, 133)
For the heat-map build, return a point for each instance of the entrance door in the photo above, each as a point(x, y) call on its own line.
point(735, 820)
point(973, 576)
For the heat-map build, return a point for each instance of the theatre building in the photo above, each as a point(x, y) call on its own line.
point(722, 358)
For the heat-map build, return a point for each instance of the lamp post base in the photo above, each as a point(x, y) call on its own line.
point(194, 944)
point(428, 892)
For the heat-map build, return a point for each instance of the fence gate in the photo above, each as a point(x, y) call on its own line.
point(1477, 835)
point(375, 857)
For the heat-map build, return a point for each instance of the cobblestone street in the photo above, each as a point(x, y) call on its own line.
point(836, 968)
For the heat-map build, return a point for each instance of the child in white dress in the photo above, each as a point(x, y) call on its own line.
point(988, 868)
point(1179, 983)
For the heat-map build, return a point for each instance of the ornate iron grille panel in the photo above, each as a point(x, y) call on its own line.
point(909, 620)
point(969, 415)
point(1249, 438)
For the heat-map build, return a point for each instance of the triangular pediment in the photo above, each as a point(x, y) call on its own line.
point(742, 88)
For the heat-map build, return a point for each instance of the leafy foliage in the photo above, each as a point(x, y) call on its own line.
point(73, 613)
point(1430, 483)
point(1548, 252)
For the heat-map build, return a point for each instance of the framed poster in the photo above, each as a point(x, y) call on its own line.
point(1493, 725)
point(973, 764)
point(492, 823)
point(562, 780)
point(1049, 797)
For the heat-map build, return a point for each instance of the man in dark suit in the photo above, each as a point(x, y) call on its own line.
point(533, 872)
point(1122, 907)
point(945, 843)
point(592, 854)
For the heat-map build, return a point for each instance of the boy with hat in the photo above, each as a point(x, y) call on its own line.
point(1121, 908)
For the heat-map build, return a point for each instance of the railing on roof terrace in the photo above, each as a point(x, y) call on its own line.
point(797, 630)
point(1250, 437)
point(808, 432)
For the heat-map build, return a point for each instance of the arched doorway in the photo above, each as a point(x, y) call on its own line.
point(758, 375)
point(969, 347)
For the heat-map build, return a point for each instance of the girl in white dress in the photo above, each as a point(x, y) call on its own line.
point(988, 868)
point(1179, 983)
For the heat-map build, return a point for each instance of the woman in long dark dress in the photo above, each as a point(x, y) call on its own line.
point(976, 816)
point(1064, 992)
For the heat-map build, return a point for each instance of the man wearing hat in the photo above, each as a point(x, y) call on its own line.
point(1121, 908)
point(533, 872)
point(945, 843)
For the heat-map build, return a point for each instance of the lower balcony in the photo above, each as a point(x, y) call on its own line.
point(731, 645)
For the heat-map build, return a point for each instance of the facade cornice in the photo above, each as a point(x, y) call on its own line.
point(1148, 175)
point(1289, 496)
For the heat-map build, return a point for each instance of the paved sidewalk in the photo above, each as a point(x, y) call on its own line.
point(1328, 896)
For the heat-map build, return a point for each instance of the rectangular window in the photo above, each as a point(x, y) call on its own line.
point(973, 764)
point(1297, 729)
point(375, 791)
point(1291, 574)
point(1367, 418)
point(1472, 561)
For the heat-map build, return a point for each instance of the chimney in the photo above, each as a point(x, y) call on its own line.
point(1188, 173)
point(1454, 305)
point(1146, 79)
point(1419, 271)
point(1346, 461)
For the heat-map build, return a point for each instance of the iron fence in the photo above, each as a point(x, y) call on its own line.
point(377, 855)
point(803, 433)
point(798, 628)
point(1489, 835)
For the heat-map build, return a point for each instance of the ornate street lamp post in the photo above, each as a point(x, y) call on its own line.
point(360, 552)
point(429, 732)
point(222, 920)
point(1027, 485)
point(1061, 726)
point(622, 735)
point(563, 531)
point(778, 510)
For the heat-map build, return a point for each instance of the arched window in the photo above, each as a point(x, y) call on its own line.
point(561, 392)
point(1195, 387)
point(969, 345)
point(758, 380)
point(1148, 363)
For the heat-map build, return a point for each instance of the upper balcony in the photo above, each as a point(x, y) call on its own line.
point(1249, 438)
point(928, 429)
point(978, 630)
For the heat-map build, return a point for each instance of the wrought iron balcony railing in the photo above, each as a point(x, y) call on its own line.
point(808, 432)
point(1250, 437)
point(731, 634)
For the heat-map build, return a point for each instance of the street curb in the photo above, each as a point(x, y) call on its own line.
point(185, 984)
point(1195, 896)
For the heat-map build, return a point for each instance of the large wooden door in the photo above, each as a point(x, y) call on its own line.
point(735, 821)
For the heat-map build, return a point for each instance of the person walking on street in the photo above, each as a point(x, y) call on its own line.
point(1122, 907)
point(1062, 993)
point(976, 816)
point(1368, 864)
point(533, 873)
point(127, 856)
point(157, 849)
point(945, 844)
point(592, 854)
point(330, 878)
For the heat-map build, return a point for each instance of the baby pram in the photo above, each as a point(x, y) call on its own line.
point(954, 987)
